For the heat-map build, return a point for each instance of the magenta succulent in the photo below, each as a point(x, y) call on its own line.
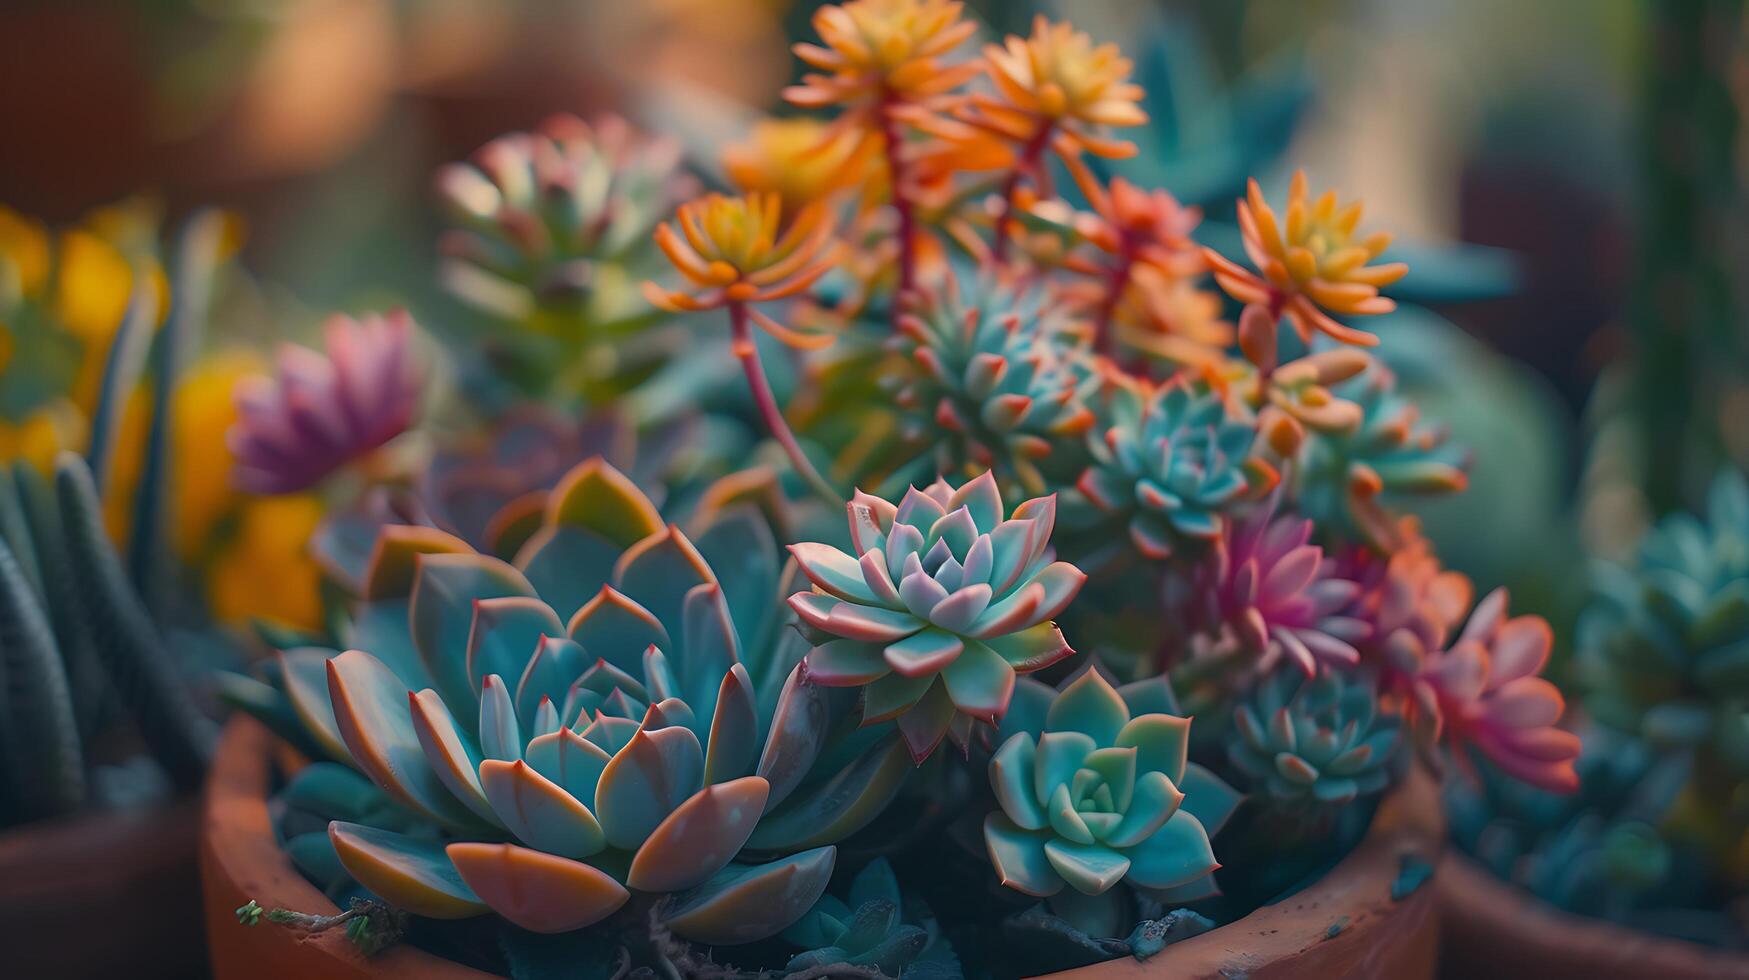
point(1274, 594)
point(944, 602)
point(323, 410)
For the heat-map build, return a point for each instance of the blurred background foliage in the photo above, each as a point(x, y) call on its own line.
point(1589, 335)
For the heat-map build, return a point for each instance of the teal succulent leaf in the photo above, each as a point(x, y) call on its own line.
point(1098, 796)
point(744, 903)
point(1169, 462)
point(944, 603)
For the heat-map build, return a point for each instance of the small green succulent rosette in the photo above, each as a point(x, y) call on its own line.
point(866, 927)
point(1314, 745)
point(1171, 462)
point(1094, 788)
point(565, 761)
point(944, 602)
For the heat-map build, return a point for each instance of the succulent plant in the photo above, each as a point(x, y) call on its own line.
point(1097, 789)
point(629, 744)
point(1172, 462)
point(945, 601)
point(1314, 745)
point(1484, 693)
point(1267, 594)
point(867, 927)
point(538, 214)
point(1343, 474)
point(1405, 589)
point(323, 411)
point(1663, 650)
point(994, 385)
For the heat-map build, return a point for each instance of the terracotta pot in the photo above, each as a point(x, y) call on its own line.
point(240, 860)
point(1491, 929)
point(102, 895)
point(1382, 938)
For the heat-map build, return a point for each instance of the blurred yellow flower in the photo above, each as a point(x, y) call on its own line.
point(24, 245)
point(200, 461)
point(41, 435)
point(797, 159)
point(265, 572)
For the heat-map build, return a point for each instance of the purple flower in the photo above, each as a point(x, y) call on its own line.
point(324, 410)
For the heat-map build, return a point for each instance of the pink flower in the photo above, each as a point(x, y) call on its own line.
point(324, 410)
point(1484, 693)
point(1277, 595)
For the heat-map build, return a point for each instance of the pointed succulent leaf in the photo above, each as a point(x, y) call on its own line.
point(700, 837)
point(540, 892)
point(372, 713)
point(538, 811)
point(413, 874)
point(744, 904)
point(838, 807)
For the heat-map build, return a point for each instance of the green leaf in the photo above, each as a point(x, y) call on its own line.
point(39, 737)
point(180, 737)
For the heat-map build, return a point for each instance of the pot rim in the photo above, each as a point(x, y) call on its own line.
point(241, 860)
point(1474, 902)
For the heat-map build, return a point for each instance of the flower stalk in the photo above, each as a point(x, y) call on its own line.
point(741, 342)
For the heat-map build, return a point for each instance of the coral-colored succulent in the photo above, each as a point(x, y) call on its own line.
point(1144, 226)
point(1309, 266)
point(1484, 693)
point(945, 601)
point(324, 410)
point(737, 250)
point(1055, 85)
point(1404, 590)
point(882, 51)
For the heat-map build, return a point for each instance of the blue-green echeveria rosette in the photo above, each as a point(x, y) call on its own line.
point(867, 926)
point(1171, 461)
point(570, 760)
point(1314, 745)
point(1096, 789)
point(945, 601)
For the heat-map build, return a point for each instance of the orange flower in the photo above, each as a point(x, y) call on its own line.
point(1311, 267)
point(882, 51)
point(1149, 225)
point(1055, 86)
point(737, 251)
point(798, 159)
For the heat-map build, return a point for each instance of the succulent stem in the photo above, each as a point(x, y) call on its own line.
point(1114, 290)
point(890, 137)
point(1028, 162)
point(745, 349)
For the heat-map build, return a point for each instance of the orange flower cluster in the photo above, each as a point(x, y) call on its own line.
point(737, 250)
point(1308, 267)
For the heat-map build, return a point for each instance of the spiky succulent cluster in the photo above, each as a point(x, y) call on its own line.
point(1663, 649)
point(541, 216)
point(1097, 789)
point(1173, 463)
point(1316, 744)
point(947, 598)
point(868, 927)
point(994, 383)
point(1390, 450)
